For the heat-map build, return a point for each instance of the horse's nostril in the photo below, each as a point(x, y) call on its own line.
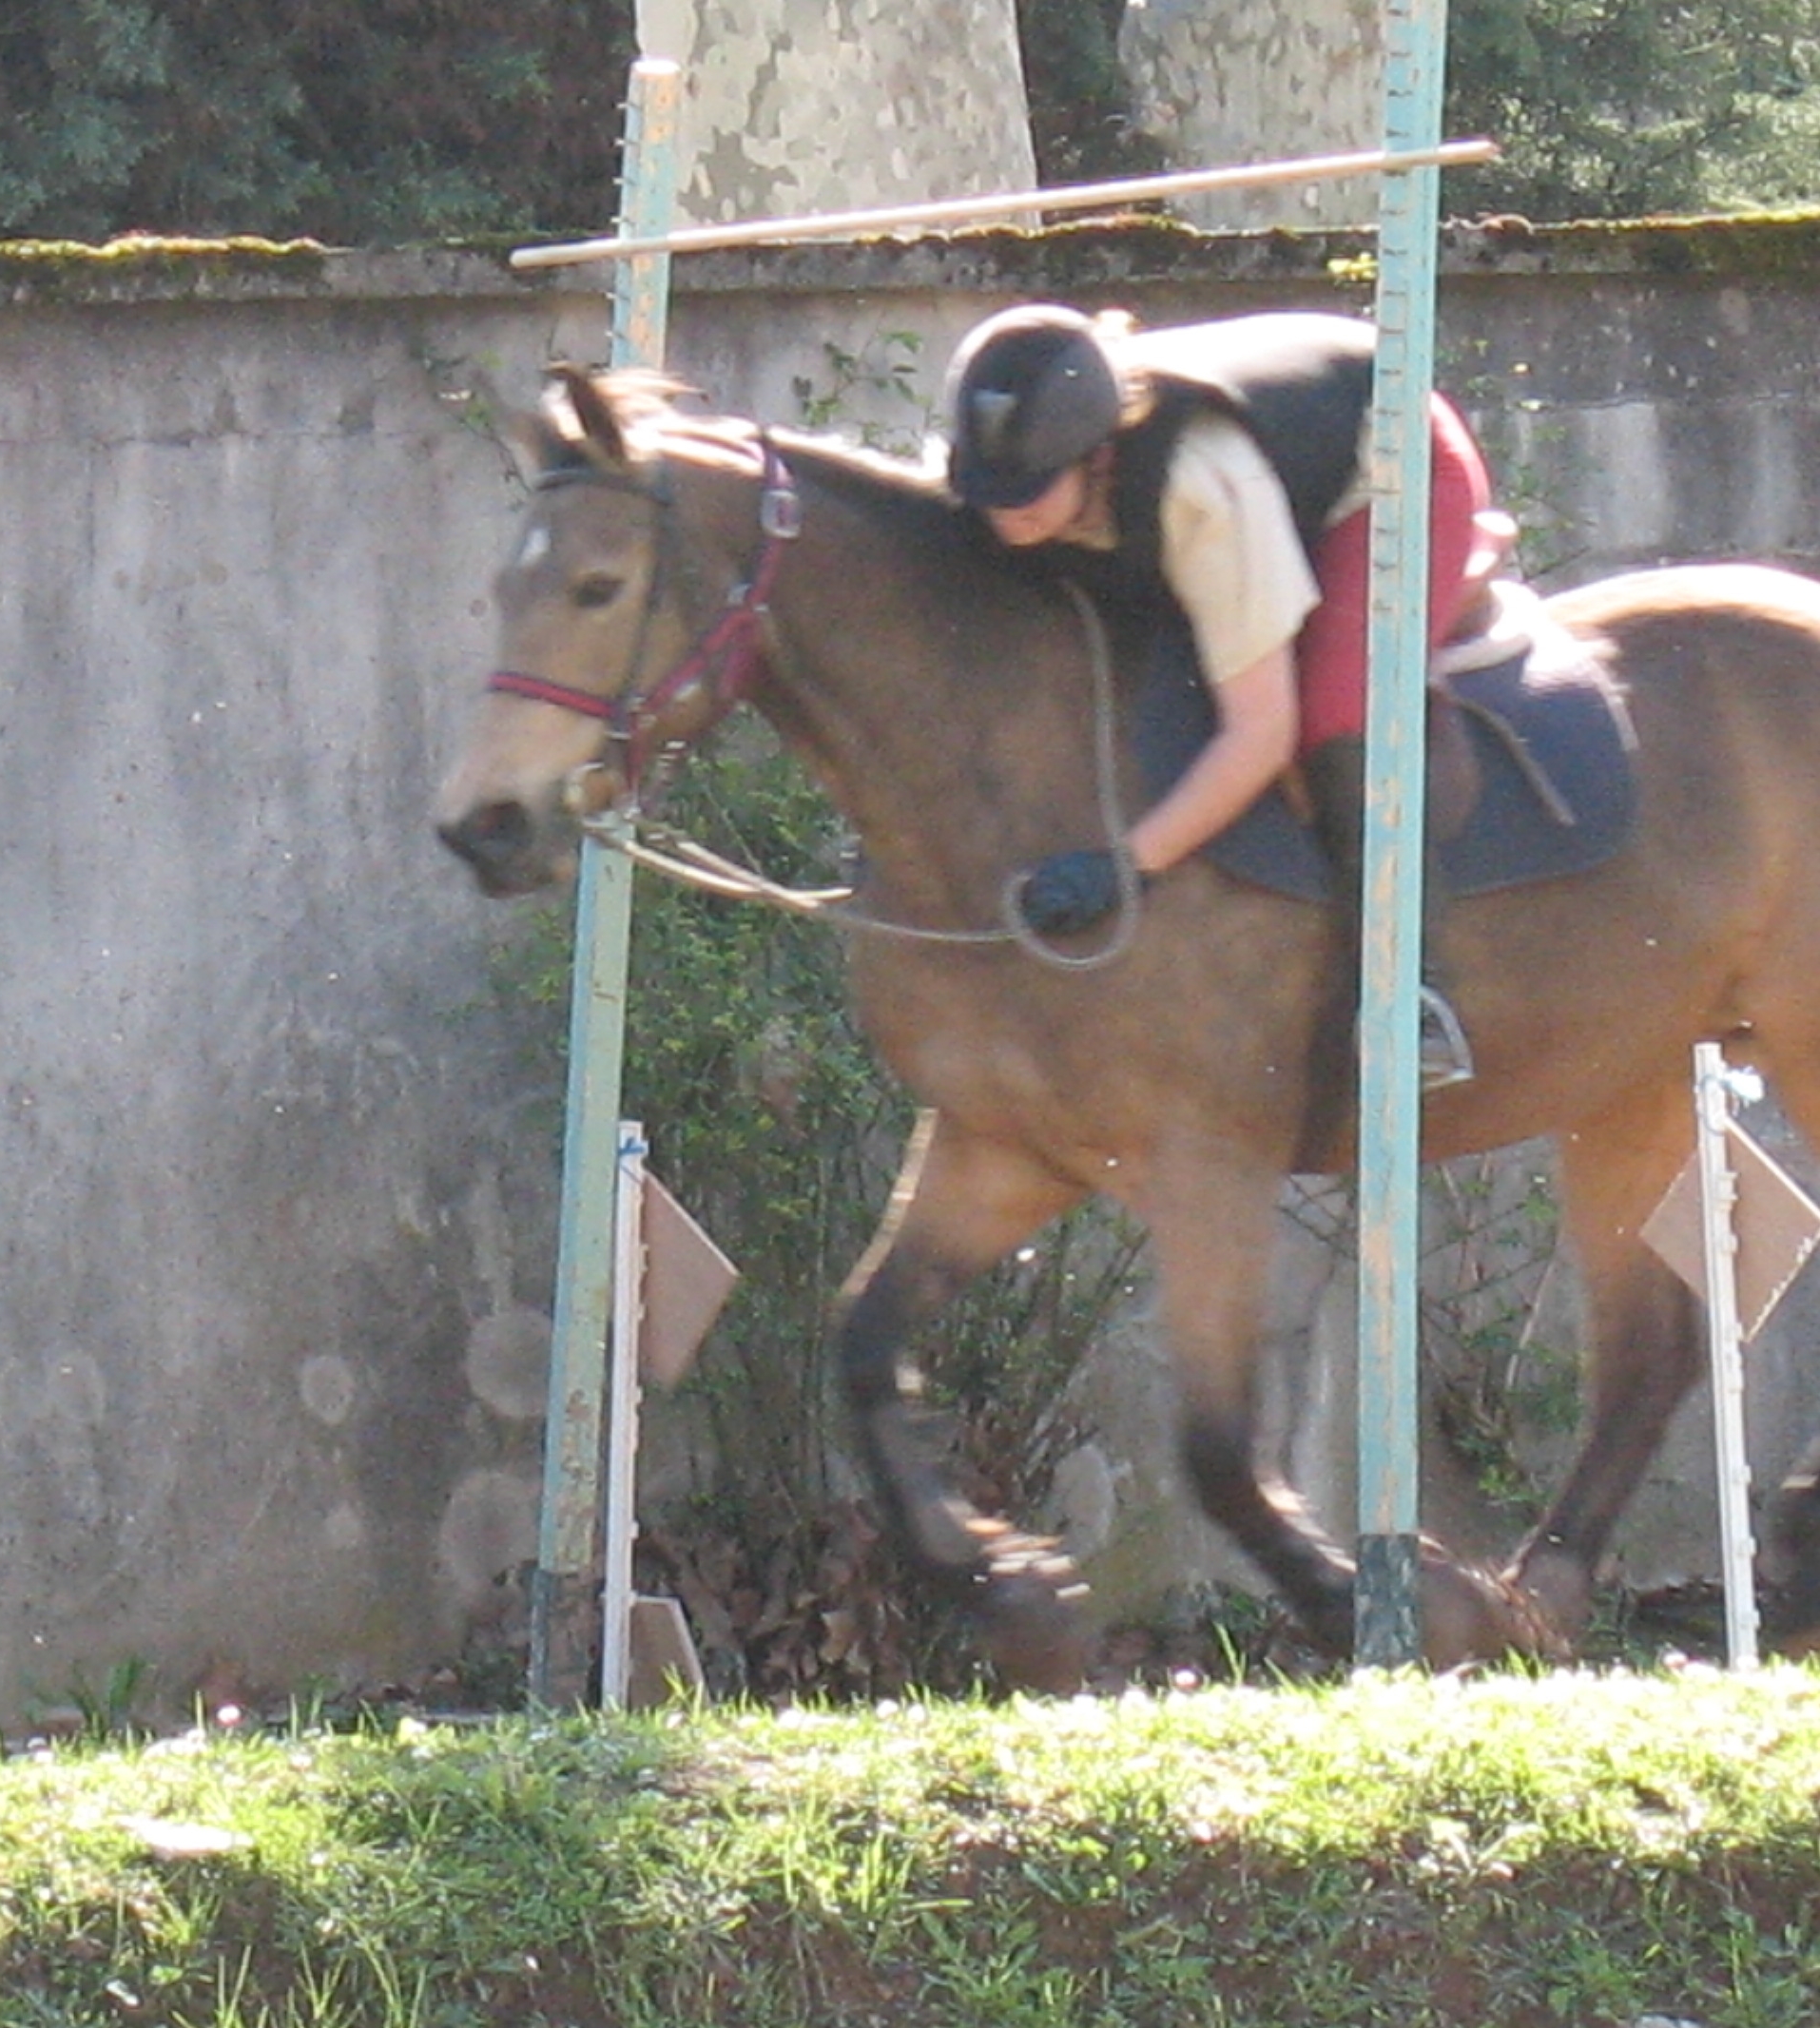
point(490, 833)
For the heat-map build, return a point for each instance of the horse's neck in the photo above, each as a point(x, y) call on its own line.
point(955, 760)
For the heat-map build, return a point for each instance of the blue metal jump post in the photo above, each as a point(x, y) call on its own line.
point(1388, 1620)
point(565, 1605)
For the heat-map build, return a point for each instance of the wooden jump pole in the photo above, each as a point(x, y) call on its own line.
point(964, 210)
point(1388, 1618)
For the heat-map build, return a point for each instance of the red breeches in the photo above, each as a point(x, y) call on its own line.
point(1331, 650)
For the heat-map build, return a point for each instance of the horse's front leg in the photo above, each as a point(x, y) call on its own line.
point(961, 1204)
point(1212, 1223)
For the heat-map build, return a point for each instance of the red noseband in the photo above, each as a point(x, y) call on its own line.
point(546, 692)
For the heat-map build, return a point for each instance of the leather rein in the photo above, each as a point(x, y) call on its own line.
point(724, 661)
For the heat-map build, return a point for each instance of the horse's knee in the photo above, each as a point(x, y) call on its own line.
point(866, 1347)
point(903, 1444)
point(1216, 1455)
point(873, 1323)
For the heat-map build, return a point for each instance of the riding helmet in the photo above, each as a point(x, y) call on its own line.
point(1030, 392)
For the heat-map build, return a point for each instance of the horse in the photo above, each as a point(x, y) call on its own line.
point(955, 709)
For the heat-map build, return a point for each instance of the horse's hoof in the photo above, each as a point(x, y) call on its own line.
point(1557, 1584)
point(1028, 1608)
point(1474, 1615)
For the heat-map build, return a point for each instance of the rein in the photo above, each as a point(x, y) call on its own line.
point(683, 860)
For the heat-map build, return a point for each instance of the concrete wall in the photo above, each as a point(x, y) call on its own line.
point(280, 1184)
point(277, 1191)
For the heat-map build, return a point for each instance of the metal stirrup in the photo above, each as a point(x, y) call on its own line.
point(1449, 1061)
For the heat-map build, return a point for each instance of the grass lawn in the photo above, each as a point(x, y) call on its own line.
point(1588, 1850)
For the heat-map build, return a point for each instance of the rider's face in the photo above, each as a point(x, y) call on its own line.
point(1058, 505)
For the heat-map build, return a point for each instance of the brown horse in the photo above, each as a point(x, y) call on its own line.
point(952, 708)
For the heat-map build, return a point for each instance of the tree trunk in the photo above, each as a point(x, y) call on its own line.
point(805, 106)
point(1265, 82)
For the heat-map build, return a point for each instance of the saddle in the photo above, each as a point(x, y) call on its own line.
point(1529, 743)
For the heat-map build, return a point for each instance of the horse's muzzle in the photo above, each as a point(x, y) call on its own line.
point(503, 845)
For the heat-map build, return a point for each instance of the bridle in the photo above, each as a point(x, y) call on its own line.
point(722, 664)
point(725, 663)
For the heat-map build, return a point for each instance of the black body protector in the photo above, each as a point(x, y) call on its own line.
point(1298, 382)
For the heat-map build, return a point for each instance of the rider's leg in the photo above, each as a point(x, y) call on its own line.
point(1331, 655)
point(1335, 775)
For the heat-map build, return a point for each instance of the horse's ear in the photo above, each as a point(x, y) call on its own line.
point(538, 444)
point(593, 411)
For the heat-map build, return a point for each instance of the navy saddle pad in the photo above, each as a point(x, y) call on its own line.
point(1552, 742)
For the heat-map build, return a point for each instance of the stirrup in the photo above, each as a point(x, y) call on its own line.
point(1445, 1054)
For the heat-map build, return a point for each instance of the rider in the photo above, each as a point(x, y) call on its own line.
point(1215, 472)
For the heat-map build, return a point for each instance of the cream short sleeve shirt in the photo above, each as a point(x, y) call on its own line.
point(1230, 549)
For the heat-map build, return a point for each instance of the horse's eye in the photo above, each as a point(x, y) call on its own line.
point(597, 589)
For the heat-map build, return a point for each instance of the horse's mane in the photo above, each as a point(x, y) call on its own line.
point(902, 500)
point(906, 507)
point(896, 493)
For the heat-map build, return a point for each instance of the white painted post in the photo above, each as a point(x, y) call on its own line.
point(620, 1523)
point(1718, 1198)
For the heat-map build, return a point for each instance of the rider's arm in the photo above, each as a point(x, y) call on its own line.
point(1255, 743)
point(1233, 559)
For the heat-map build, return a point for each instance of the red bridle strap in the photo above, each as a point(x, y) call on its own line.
point(545, 692)
point(726, 657)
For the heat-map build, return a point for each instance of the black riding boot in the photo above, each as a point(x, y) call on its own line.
point(1335, 773)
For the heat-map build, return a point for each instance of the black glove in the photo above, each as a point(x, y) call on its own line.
point(1069, 890)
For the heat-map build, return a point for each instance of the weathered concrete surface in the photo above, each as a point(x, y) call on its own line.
point(273, 1175)
point(815, 106)
point(276, 1272)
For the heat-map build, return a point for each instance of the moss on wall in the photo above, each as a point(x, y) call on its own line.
point(1079, 256)
point(142, 264)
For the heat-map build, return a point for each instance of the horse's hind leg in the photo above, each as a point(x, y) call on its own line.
point(1645, 1351)
point(961, 1204)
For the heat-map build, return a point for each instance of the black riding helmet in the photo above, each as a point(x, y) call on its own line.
point(1030, 392)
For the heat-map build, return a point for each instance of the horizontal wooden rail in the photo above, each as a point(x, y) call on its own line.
point(961, 210)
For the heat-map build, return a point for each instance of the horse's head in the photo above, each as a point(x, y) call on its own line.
point(593, 675)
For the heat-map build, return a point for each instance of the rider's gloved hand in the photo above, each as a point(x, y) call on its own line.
point(1069, 891)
